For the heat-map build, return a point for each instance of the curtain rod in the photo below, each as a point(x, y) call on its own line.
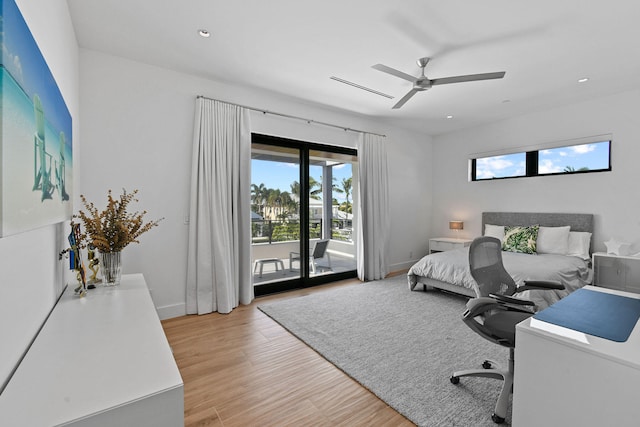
point(310, 121)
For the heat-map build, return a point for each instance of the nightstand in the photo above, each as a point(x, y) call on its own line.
point(616, 272)
point(441, 244)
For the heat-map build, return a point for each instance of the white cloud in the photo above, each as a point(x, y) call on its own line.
point(489, 166)
point(583, 149)
point(17, 65)
point(484, 174)
point(495, 163)
point(553, 153)
point(548, 166)
point(13, 64)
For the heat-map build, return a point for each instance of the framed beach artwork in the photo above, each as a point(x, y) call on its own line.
point(35, 135)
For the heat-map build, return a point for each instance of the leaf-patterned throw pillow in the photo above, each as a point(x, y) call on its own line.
point(520, 239)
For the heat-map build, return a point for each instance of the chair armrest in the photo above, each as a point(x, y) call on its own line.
point(511, 300)
point(540, 284)
point(481, 305)
point(476, 306)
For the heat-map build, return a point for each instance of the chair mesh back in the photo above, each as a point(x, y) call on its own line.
point(485, 264)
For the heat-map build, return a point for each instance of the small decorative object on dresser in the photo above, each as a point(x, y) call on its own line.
point(111, 230)
point(616, 247)
point(441, 244)
point(75, 259)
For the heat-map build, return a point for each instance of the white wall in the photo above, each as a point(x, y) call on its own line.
point(611, 196)
point(138, 127)
point(31, 277)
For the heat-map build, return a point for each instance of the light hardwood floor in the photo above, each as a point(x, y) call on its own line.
point(243, 369)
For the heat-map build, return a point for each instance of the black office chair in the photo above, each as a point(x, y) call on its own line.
point(494, 313)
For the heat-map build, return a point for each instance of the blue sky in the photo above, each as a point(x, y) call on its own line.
point(593, 156)
point(280, 175)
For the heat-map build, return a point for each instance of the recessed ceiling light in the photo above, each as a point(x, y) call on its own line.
point(204, 33)
point(449, 116)
point(582, 80)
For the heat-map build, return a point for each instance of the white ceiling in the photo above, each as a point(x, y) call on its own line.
point(294, 46)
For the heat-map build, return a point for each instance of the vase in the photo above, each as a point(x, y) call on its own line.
point(111, 268)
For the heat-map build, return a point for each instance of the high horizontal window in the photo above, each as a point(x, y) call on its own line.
point(568, 159)
point(505, 166)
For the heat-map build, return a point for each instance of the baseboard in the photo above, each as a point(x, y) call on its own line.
point(177, 310)
point(402, 266)
point(170, 311)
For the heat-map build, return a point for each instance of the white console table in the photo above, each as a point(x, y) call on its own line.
point(565, 377)
point(101, 360)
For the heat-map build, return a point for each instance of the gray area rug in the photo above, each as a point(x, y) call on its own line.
point(401, 345)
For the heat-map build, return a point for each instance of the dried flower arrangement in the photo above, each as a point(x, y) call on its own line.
point(112, 229)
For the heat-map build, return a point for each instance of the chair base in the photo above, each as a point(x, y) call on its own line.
point(493, 370)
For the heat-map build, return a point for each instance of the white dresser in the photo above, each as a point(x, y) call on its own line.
point(616, 272)
point(102, 360)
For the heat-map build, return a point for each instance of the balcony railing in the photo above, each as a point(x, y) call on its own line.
point(272, 231)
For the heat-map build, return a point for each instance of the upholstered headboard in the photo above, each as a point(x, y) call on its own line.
point(577, 221)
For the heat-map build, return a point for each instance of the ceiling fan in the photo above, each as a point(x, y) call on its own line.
point(423, 83)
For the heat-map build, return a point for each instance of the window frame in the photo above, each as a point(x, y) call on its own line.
point(304, 148)
point(532, 162)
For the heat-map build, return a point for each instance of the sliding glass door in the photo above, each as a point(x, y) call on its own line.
point(302, 213)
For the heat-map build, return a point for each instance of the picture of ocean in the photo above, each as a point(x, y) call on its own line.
point(36, 133)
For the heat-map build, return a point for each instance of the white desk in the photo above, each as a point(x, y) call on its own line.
point(102, 360)
point(565, 377)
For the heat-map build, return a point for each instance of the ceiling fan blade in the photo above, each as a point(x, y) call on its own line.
point(468, 78)
point(405, 98)
point(394, 72)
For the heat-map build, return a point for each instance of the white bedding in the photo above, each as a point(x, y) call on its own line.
point(453, 267)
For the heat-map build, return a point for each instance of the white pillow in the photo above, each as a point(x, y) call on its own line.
point(579, 244)
point(553, 240)
point(496, 231)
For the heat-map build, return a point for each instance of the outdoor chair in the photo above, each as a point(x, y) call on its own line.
point(319, 251)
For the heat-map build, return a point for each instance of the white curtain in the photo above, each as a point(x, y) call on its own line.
point(373, 213)
point(219, 251)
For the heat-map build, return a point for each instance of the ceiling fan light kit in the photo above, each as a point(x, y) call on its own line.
point(422, 83)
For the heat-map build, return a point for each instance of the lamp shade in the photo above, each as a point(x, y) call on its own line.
point(456, 225)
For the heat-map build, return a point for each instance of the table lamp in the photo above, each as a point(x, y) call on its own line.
point(456, 225)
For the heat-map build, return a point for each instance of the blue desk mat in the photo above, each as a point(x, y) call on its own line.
point(603, 315)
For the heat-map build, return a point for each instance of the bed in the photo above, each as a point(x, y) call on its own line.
point(449, 270)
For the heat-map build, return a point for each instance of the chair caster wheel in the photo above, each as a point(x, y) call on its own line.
point(486, 364)
point(497, 419)
point(454, 380)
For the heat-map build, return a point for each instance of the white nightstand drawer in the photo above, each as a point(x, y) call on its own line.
point(436, 245)
point(442, 244)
